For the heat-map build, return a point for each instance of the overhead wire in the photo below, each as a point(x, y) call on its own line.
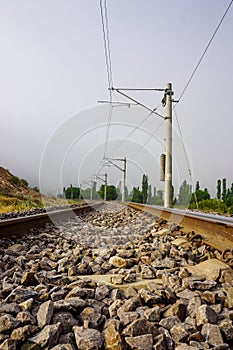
point(205, 51)
point(187, 85)
point(186, 157)
point(105, 28)
point(150, 137)
point(137, 127)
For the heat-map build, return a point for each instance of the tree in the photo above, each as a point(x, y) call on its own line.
point(111, 192)
point(160, 194)
point(197, 186)
point(154, 194)
point(75, 190)
point(185, 193)
point(200, 195)
point(219, 189)
point(224, 189)
point(144, 188)
point(149, 194)
point(137, 195)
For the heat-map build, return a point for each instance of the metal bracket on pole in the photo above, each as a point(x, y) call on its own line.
point(119, 90)
point(110, 160)
point(105, 183)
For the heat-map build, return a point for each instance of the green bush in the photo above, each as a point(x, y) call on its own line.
point(36, 189)
point(14, 180)
point(24, 182)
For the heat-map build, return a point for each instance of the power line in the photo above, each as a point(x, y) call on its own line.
point(186, 87)
point(135, 128)
point(150, 137)
point(104, 20)
point(186, 157)
point(206, 49)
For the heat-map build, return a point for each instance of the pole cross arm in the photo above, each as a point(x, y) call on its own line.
point(137, 102)
point(100, 178)
point(117, 166)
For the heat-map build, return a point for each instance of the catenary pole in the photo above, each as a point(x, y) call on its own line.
point(168, 162)
point(124, 178)
point(105, 187)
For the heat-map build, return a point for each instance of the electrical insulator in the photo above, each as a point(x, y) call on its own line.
point(162, 166)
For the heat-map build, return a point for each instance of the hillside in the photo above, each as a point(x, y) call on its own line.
point(11, 185)
point(16, 195)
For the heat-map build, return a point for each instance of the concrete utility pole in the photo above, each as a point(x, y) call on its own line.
point(168, 161)
point(105, 186)
point(124, 178)
point(110, 160)
point(71, 192)
point(80, 195)
point(105, 183)
point(91, 194)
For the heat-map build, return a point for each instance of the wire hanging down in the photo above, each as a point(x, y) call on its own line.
point(149, 138)
point(104, 20)
point(206, 49)
point(186, 157)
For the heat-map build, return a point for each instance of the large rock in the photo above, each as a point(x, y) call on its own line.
point(8, 322)
point(48, 336)
point(112, 338)
point(21, 333)
point(178, 309)
point(212, 334)
point(141, 342)
point(140, 327)
point(117, 261)
point(90, 316)
point(193, 305)
point(45, 313)
point(205, 314)
point(20, 294)
point(179, 333)
point(66, 319)
point(169, 322)
point(11, 308)
point(84, 293)
point(8, 344)
point(88, 339)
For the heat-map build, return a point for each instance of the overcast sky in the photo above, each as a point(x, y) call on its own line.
point(53, 72)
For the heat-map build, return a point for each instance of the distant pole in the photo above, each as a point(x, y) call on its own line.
point(105, 187)
point(168, 163)
point(80, 196)
point(91, 195)
point(71, 192)
point(124, 178)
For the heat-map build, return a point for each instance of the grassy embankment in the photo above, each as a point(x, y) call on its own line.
point(20, 203)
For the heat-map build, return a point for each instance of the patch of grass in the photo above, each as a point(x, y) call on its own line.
point(9, 203)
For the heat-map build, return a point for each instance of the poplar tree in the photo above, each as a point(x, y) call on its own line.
point(224, 189)
point(144, 188)
point(219, 189)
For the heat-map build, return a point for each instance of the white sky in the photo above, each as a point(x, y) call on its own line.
point(53, 72)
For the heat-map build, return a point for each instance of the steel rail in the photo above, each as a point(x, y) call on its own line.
point(21, 225)
point(215, 232)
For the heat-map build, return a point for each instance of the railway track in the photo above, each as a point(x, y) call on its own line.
point(216, 231)
point(116, 277)
point(21, 225)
